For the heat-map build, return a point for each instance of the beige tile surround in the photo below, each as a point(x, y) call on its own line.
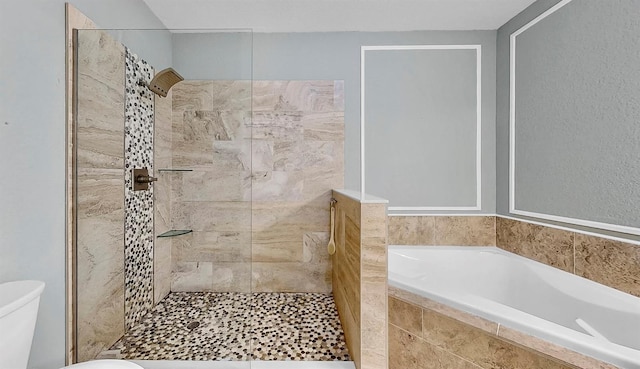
point(427, 334)
point(442, 230)
point(265, 156)
point(609, 262)
point(613, 263)
point(360, 279)
point(421, 330)
point(99, 208)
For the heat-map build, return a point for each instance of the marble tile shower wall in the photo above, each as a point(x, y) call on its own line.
point(138, 144)
point(100, 198)
point(265, 156)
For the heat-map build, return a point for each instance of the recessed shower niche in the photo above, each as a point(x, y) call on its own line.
point(223, 257)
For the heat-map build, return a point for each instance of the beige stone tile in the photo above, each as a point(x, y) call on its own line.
point(461, 316)
point(231, 155)
point(213, 246)
point(189, 276)
point(161, 268)
point(613, 263)
point(318, 183)
point(290, 277)
point(314, 248)
point(100, 195)
point(277, 186)
point(408, 351)
point(232, 95)
point(374, 318)
point(162, 203)
point(465, 231)
point(547, 245)
point(163, 133)
point(206, 185)
point(101, 57)
point(373, 221)
point(205, 126)
point(218, 216)
point(373, 261)
point(100, 321)
point(305, 155)
point(411, 230)
point(348, 205)
point(323, 126)
point(290, 217)
point(261, 156)
point(189, 155)
point(100, 259)
point(231, 277)
point(192, 95)
point(100, 124)
point(351, 276)
point(218, 125)
point(350, 320)
point(277, 125)
point(405, 315)
point(293, 96)
point(472, 344)
point(555, 351)
point(276, 246)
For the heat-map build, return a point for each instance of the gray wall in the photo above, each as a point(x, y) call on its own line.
point(152, 45)
point(336, 56)
point(213, 55)
point(420, 128)
point(32, 147)
point(577, 109)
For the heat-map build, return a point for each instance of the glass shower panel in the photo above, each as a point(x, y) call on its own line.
point(163, 273)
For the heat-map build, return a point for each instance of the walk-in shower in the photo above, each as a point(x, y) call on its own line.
point(202, 200)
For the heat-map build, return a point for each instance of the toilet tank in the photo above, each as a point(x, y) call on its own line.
point(19, 302)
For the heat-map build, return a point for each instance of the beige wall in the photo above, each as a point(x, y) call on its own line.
point(264, 157)
point(360, 279)
point(100, 194)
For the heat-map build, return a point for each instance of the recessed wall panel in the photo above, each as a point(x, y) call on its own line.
point(575, 111)
point(421, 127)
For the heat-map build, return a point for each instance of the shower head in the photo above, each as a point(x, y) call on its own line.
point(163, 81)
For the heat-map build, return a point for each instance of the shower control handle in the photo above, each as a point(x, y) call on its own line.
point(145, 179)
point(141, 179)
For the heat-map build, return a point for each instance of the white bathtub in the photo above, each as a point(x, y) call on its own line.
point(525, 295)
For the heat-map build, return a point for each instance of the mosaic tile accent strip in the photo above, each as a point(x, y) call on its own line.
point(138, 143)
point(238, 326)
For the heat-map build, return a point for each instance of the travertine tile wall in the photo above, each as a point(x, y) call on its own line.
point(265, 156)
point(162, 197)
point(425, 334)
point(442, 230)
point(612, 263)
point(360, 279)
point(100, 195)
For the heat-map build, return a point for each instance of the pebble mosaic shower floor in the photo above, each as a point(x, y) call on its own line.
point(238, 326)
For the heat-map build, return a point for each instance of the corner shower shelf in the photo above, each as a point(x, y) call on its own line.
point(174, 170)
point(175, 232)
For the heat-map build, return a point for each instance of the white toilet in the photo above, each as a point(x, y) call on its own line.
point(19, 302)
